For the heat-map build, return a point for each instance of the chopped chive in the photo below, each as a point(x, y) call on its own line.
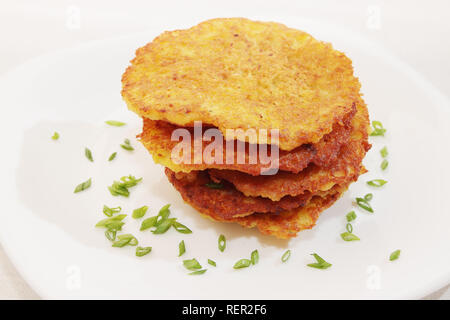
point(148, 223)
point(320, 264)
point(181, 248)
point(384, 152)
point(197, 272)
point(377, 183)
point(368, 197)
point(213, 185)
point(222, 243)
point(348, 236)
point(83, 186)
point(55, 136)
point(211, 262)
point(142, 251)
point(394, 255)
point(112, 156)
point(127, 145)
point(115, 123)
point(349, 227)
point(351, 216)
point(255, 257)
point(243, 263)
point(181, 228)
point(164, 226)
point(384, 164)
point(378, 129)
point(88, 154)
point(362, 203)
point(139, 212)
point(120, 188)
point(133, 241)
point(192, 264)
point(285, 257)
point(111, 235)
point(109, 212)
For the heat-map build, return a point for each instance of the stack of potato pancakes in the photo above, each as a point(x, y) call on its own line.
point(241, 74)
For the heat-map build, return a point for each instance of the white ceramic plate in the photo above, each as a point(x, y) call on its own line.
point(48, 231)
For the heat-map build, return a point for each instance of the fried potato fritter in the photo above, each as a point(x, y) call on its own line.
point(236, 73)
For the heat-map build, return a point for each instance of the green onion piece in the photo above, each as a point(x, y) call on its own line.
point(285, 257)
point(255, 257)
point(243, 263)
point(394, 255)
point(222, 243)
point(211, 262)
point(362, 203)
point(139, 212)
point(384, 164)
point(109, 212)
point(88, 154)
point(213, 185)
point(110, 235)
point(115, 123)
point(133, 241)
point(368, 197)
point(378, 129)
point(112, 156)
point(349, 227)
point(321, 263)
point(384, 152)
point(181, 228)
point(197, 272)
point(104, 222)
point(351, 216)
point(127, 145)
point(83, 186)
point(142, 251)
point(120, 188)
point(55, 136)
point(377, 183)
point(148, 223)
point(192, 264)
point(164, 226)
point(163, 214)
point(181, 248)
point(348, 236)
point(121, 243)
point(114, 225)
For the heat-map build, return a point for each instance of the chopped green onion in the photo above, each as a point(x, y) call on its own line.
point(112, 156)
point(163, 214)
point(121, 243)
point(181, 228)
point(255, 257)
point(384, 152)
point(148, 223)
point(222, 243)
point(368, 197)
point(164, 226)
point(115, 123)
point(114, 225)
point(351, 216)
point(105, 222)
point(83, 186)
point(211, 262)
point(181, 248)
point(120, 188)
point(198, 272)
point(213, 185)
point(378, 129)
point(384, 164)
point(394, 255)
point(133, 241)
point(349, 227)
point(109, 212)
point(192, 264)
point(139, 212)
point(88, 154)
point(142, 251)
point(377, 183)
point(362, 203)
point(243, 263)
point(55, 136)
point(348, 236)
point(320, 264)
point(127, 145)
point(111, 235)
point(285, 257)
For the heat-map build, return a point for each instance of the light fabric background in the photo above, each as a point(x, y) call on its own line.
point(415, 31)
